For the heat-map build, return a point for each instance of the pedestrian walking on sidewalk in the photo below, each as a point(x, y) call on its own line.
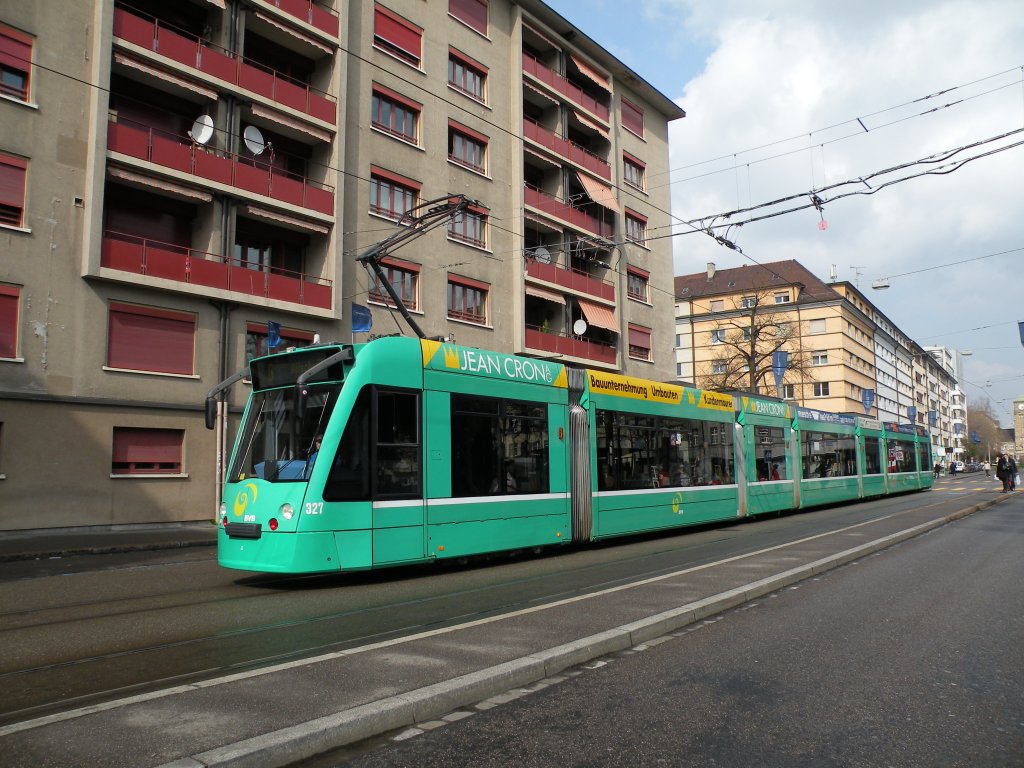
point(1003, 472)
point(1013, 474)
point(988, 469)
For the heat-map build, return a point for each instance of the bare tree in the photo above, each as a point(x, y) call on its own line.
point(982, 421)
point(746, 342)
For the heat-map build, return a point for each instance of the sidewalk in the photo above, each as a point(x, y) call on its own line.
point(292, 711)
point(41, 544)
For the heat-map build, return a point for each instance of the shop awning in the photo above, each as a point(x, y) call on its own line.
point(294, 32)
point(599, 315)
point(290, 221)
point(298, 125)
point(590, 72)
point(543, 293)
point(542, 156)
point(540, 221)
point(181, 82)
point(539, 92)
point(598, 192)
point(219, 3)
point(142, 180)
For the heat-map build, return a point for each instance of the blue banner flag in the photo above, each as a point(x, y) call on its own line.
point(273, 334)
point(780, 362)
point(362, 320)
point(975, 437)
point(958, 428)
point(869, 400)
point(933, 418)
point(1020, 329)
point(912, 412)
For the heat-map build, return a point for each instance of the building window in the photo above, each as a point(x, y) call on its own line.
point(639, 342)
point(718, 336)
point(716, 305)
point(718, 368)
point(782, 298)
point(748, 302)
point(397, 36)
point(12, 190)
point(788, 392)
point(633, 171)
point(404, 277)
point(637, 284)
point(466, 76)
point(632, 118)
point(466, 147)
point(391, 195)
point(819, 358)
point(636, 227)
point(138, 451)
point(472, 13)
point(816, 326)
point(150, 339)
point(10, 300)
point(395, 114)
point(15, 63)
point(256, 340)
point(821, 389)
point(467, 300)
point(469, 227)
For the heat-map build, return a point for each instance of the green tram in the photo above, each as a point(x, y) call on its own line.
point(403, 450)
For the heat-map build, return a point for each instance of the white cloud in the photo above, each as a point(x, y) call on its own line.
point(799, 67)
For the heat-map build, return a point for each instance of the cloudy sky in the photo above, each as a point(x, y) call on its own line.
point(786, 98)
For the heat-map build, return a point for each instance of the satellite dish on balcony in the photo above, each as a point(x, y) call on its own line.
point(542, 254)
point(253, 139)
point(202, 129)
point(579, 327)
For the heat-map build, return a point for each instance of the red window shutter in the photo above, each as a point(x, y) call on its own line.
point(387, 93)
point(142, 451)
point(12, 181)
point(467, 61)
point(148, 339)
point(639, 336)
point(15, 49)
point(9, 321)
point(470, 12)
point(405, 266)
point(469, 282)
point(398, 32)
point(395, 178)
point(641, 273)
point(632, 118)
point(634, 215)
point(634, 160)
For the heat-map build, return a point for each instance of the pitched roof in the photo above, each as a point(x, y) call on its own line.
point(775, 274)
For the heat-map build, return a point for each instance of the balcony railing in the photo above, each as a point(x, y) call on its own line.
point(140, 256)
point(558, 82)
point(192, 51)
point(566, 148)
point(180, 154)
point(572, 279)
point(580, 219)
point(324, 19)
point(571, 346)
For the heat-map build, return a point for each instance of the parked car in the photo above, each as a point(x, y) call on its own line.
point(958, 466)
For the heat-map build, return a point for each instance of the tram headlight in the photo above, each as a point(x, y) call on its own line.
point(287, 511)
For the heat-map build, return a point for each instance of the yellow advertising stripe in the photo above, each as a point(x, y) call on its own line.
point(636, 389)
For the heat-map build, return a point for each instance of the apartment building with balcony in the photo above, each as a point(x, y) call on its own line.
point(176, 174)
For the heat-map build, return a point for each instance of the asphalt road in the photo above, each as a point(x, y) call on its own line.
point(910, 657)
point(86, 629)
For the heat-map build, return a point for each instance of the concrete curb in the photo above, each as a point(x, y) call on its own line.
point(306, 740)
point(110, 549)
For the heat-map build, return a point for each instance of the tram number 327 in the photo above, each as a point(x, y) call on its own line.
point(313, 508)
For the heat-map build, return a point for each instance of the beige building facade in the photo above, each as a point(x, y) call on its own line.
point(175, 175)
point(840, 346)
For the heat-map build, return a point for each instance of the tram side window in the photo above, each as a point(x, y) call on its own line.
point(872, 456)
point(639, 451)
point(924, 457)
point(901, 456)
point(398, 444)
point(498, 446)
point(770, 453)
point(349, 479)
point(828, 454)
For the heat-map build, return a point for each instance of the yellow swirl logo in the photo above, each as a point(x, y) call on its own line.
point(677, 503)
point(242, 499)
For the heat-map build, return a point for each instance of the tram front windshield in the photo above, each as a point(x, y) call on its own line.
point(274, 442)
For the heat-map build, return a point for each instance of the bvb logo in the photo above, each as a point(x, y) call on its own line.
point(242, 499)
point(677, 503)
